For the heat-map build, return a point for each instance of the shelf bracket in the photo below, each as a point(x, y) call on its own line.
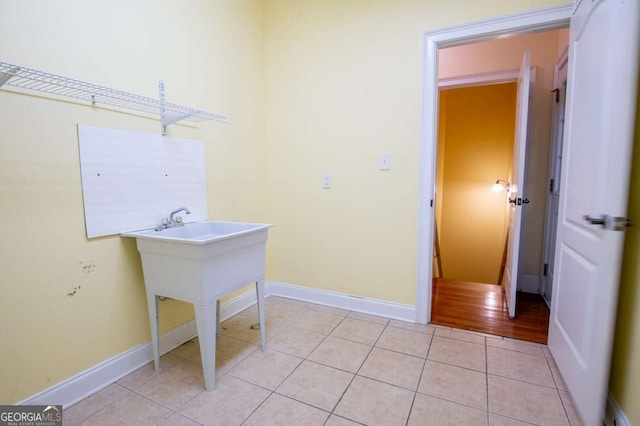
point(168, 119)
point(171, 119)
point(163, 112)
point(6, 76)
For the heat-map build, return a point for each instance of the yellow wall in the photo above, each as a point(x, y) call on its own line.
point(478, 149)
point(328, 84)
point(210, 55)
point(506, 54)
point(344, 83)
point(625, 368)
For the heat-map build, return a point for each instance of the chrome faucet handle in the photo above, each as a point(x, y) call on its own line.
point(165, 223)
point(178, 221)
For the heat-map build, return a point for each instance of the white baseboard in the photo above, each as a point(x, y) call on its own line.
point(614, 415)
point(238, 304)
point(529, 284)
point(83, 384)
point(340, 300)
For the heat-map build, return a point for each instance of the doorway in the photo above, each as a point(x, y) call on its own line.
point(475, 150)
point(530, 276)
point(601, 99)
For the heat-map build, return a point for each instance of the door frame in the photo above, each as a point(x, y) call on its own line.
point(560, 73)
point(550, 18)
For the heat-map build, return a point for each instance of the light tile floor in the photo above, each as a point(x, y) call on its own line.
point(328, 366)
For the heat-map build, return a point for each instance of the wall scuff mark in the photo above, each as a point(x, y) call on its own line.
point(73, 292)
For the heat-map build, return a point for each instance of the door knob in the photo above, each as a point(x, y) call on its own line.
point(610, 223)
point(595, 220)
point(519, 201)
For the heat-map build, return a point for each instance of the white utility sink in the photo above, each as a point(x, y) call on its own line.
point(199, 263)
point(200, 232)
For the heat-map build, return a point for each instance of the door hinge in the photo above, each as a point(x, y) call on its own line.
point(557, 92)
point(431, 203)
point(546, 269)
point(551, 182)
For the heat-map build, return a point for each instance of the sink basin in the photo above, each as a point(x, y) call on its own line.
point(199, 263)
point(200, 232)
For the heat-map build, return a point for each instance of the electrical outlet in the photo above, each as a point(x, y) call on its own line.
point(326, 181)
point(385, 161)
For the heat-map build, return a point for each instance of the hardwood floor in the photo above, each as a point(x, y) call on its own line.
point(482, 308)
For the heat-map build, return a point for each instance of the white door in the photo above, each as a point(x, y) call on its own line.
point(516, 197)
point(555, 167)
point(599, 126)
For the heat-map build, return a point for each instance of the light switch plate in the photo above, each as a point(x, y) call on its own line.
point(326, 180)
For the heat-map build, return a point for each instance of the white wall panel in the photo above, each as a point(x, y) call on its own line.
point(132, 180)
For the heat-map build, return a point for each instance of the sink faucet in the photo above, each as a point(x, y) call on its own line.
point(181, 209)
point(172, 221)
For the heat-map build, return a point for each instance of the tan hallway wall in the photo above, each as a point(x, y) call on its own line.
point(477, 147)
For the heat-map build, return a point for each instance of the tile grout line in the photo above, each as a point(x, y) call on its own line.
point(424, 364)
point(442, 398)
point(486, 377)
point(165, 405)
point(523, 381)
point(564, 408)
point(532, 384)
point(135, 390)
point(292, 371)
point(401, 353)
point(457, 366)
point(101, 408)
point(171, 410)
point(358, 370)
point(289, 375)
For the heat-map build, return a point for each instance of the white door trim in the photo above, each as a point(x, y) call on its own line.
point(536, 20)
point(559, 79)
point(507, 76)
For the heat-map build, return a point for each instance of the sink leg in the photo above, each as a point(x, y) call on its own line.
point(218, 317)
point(260, 296)
point(152, 302)
point(205, 318)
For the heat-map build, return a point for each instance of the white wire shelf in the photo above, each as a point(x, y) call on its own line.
point(20, 77)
